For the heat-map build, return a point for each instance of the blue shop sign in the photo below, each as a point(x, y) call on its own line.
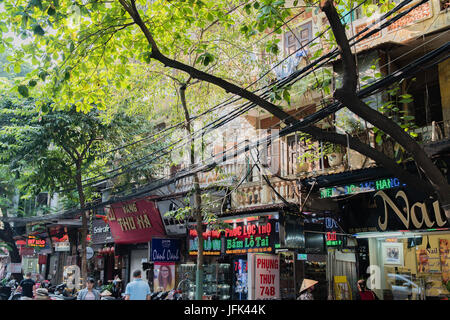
point(165, 250)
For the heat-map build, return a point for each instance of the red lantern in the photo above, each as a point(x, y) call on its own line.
point(112, 250)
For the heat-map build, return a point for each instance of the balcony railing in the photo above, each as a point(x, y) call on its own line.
point(259, 193)
point(225, 175)
point(435, 132)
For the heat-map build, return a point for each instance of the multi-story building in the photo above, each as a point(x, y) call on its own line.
point(319, 198)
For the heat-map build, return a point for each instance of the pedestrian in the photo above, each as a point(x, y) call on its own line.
point(306, 289)
point(364, 293)
point(42, 294)
point(116, 289)
point(28, 286)
point(99, 285)
point(137, 289)
point(89, 293)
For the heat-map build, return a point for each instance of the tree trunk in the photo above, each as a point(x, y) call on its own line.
point(197, 198)
point(347, 96)
point(84, 221)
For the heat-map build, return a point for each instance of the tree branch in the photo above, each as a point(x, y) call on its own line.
point(347, 95)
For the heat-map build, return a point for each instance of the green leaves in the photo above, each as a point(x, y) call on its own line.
point(37, 30)
point(272, 46)
point(23, 90)
point(205, 59)
point(51, 11)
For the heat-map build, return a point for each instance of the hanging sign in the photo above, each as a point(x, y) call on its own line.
point(165, 250)
point(62, 246)
point(135, 221)
point(35, 242)
point(100, 232)
point(264, 274)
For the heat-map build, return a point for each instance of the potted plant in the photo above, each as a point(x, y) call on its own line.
point(306, 161)
point(335, 154)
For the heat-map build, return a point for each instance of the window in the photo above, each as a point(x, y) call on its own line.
point(42, 199)
point(300, 38)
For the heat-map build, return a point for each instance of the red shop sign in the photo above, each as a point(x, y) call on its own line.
point(135, 221)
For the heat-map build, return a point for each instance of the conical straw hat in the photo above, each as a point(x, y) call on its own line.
point(307, 283)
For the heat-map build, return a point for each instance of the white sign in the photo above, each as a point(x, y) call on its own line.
point(62, 246)
point(265, 282)
point(89, 253)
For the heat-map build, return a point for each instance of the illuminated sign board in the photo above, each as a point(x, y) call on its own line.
point(252, 237)
point(332, 239)
point(368, 186)
point(35, 242)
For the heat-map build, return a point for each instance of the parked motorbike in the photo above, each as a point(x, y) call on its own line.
point(5, 292)
point(174, 295)
point(166, 295)
point(15, 294)
point(60, 292)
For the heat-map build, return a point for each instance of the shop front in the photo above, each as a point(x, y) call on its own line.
point(304, 252)
point(104, 263)
point(226, 254)
point(34, 250)
point(403, 239)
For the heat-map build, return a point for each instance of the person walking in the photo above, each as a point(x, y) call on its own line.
point(364, 293)
point(116, 289)
point(306, 289)
point(99, 286)
point(138, 289)
point(89, 293)
point(27, 286)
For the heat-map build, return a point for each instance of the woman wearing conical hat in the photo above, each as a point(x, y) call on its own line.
point(306, 289)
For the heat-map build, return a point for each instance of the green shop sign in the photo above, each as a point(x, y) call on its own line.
point(252, 237)
point(367, 186)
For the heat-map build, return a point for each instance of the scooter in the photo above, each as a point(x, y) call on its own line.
point(59, 292)
point(174, 295)
point(154, 295)
point(5, 292)
point(15, 294)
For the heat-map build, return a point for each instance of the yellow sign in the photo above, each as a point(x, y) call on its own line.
point(342, 289)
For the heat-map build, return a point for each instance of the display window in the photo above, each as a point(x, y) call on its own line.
point(412, 267)
point(216, 281)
